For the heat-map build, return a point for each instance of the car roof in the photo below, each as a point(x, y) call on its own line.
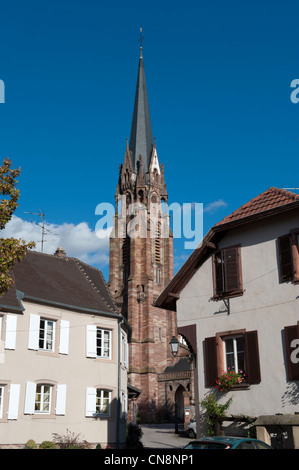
point(224, 439)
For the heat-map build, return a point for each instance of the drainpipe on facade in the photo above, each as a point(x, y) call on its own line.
point(119, 385)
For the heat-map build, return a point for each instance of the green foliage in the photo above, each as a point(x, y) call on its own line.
point(47, 445)
point(30, 444)
point(134, 435)
point(214, 410)
point(98, 446)
point(11, 250)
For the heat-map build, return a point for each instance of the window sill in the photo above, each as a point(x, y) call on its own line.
point(228, 295)
point(243, 386)
point(100, 416)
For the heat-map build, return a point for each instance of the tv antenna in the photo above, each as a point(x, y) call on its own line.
point(41, 215)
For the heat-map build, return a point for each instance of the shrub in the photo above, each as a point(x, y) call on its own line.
point(134, 434)
point(47, 445)
point(70, 440)
point(214, 410)
point(30, 444)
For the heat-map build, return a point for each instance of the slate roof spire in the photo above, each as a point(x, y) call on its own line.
point(141, 139)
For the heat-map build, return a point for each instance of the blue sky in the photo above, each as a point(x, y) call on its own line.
point(218, 78)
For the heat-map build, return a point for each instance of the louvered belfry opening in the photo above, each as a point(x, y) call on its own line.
point(126, 258)
point(158, 244)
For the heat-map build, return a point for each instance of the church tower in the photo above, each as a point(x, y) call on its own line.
point(141, 257)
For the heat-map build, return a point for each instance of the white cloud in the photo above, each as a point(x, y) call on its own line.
point(214, 206)
point(78, 241)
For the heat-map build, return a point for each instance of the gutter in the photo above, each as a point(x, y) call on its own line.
point(72, 307)
point(119, 386)
point(129, 335)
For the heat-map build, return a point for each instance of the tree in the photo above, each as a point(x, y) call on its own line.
point(11, 249)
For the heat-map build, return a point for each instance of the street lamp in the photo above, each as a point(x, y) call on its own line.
point(174, 346)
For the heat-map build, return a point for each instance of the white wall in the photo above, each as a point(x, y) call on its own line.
point(266, 306)
point(21, 365)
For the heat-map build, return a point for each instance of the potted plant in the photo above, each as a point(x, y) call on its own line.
point(229, 379)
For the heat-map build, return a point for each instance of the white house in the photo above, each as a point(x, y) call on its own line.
point(238, 294)
point(63, 354)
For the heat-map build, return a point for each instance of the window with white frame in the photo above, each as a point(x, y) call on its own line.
point(98, 342)
point(46, 334)
point(234, 353)
point(103, 402)
point(49, 335)
point(43, 398)
point(39, 398)
point(103, 343)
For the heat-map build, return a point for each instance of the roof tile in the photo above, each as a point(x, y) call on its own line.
point(270, 199)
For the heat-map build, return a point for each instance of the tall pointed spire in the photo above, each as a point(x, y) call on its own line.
point(141, 139)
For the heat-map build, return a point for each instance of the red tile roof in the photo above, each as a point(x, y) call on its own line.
point(270, 199)
point(270, 202)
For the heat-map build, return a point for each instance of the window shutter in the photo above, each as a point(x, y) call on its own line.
point(30, 398)
point(285, 258)
point(11, 332)
point(90, 401)
point(231, 269)
point(252, 360)
point(126, 354)
point(33, 331)
point(121, 339)
point(126, 406)
point(120, 406)
point(219, 280)
point(91, 341)
point(14, 397)
point(291, 335)
point(211, 361)
point(64, 337)
point(61, 399)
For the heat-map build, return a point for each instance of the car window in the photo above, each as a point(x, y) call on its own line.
point(245, 445)
point(261, 445)
point(205, 445)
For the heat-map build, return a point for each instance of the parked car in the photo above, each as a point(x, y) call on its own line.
point(191, 429)
point(227, 442)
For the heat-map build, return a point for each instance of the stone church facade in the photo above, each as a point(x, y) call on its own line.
point(140, 267)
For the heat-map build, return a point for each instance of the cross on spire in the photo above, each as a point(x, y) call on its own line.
point(140, 40)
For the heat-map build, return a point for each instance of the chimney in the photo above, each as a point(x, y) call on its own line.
point(60, 253)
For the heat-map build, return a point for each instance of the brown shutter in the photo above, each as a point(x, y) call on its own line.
point(291, 333)
point(252, 361)
point(189, 334)
point(285, 258)
point(231, 269)
point(211, 361)
point(219, 280)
